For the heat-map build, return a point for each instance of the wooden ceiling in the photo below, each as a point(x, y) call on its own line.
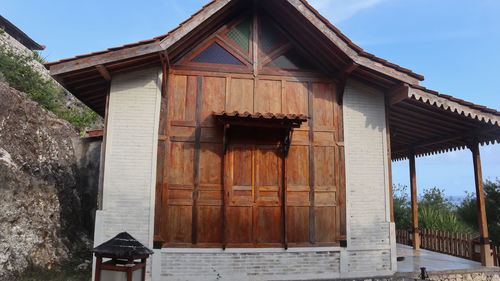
point(424, 127)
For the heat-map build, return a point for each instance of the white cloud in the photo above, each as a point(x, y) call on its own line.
point(341, 10)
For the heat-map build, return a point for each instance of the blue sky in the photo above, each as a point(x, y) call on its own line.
point(455, 44)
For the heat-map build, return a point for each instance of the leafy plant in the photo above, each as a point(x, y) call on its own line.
point(402, 207)
point(20, 74)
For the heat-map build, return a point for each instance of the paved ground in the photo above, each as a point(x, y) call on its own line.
point(433, 261)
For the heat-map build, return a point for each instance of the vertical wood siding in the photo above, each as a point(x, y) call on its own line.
point(190, 158)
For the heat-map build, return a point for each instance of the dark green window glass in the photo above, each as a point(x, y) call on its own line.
point(240, 35)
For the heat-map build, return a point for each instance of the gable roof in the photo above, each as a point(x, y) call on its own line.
point(163, 42)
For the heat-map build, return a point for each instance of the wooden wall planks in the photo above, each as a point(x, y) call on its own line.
point(191, 210)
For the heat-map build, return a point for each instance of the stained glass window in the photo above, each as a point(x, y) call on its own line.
point(217, 55)
point(240, 35)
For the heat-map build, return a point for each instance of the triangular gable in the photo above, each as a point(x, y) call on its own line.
point(233, 45)
point(164, 42)
point(354, 52)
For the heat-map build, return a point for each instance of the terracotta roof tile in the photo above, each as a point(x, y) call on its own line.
point(459, 101)
point(266, 115)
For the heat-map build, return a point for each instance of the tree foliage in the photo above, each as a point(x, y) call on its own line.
point(467, 211)
point(435, 211)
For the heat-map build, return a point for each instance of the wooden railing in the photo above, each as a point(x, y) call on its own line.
point(496, 257)
point(455, 244)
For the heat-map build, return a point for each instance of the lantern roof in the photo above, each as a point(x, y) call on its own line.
point(122, 246)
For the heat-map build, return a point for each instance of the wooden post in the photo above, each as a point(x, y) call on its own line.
point(414, 207)
point(486, 257)
point(98, 263)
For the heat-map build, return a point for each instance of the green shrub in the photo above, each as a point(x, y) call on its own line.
point(19, 73)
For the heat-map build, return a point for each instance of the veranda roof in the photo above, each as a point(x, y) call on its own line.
point(424, 122)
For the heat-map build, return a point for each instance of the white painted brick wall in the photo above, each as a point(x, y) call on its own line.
point(368, 218)
point(250, 264)
point(131, 152)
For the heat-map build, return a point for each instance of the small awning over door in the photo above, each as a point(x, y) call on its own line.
point(276, 120)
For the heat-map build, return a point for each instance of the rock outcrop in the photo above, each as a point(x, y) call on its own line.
point(41, 216)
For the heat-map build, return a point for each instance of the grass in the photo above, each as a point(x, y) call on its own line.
point(65, 272)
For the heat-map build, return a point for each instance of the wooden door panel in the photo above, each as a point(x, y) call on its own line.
point(210, 166)
point(324, 168)
point(239, 228)
point(267, 225)
point(297, 223)
point(298, 167)
point(179, 222)
point(240, 177)
point(267, 175)
point(180, 166)
point(325, 226)
point(209, 228)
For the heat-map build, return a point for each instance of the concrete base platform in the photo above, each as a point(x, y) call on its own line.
point(432, 261)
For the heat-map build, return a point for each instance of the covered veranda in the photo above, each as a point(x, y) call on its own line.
point(422, 122)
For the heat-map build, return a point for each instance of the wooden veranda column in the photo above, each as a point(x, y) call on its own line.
point(486, 257)
point(414, 207)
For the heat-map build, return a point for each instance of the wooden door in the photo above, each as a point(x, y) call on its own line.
point(254, 192)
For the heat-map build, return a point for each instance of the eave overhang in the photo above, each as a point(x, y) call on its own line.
point(424, 122)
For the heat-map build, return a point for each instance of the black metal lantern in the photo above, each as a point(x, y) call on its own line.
point(122, 258)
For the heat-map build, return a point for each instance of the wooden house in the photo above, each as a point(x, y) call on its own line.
point(254, 142)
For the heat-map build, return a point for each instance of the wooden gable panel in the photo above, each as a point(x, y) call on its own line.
point(241, 95)
point(295, 100)
point(213, 98)
point(268, 96)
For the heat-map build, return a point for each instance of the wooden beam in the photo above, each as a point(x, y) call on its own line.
point(414, 207)
point(434, 141)
point(104, 72)
point(255, 39)
point(426, 112)
point(345, 71)
point(486, 257)
point(398, 94)
point(92, 61)
point(103, 156)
